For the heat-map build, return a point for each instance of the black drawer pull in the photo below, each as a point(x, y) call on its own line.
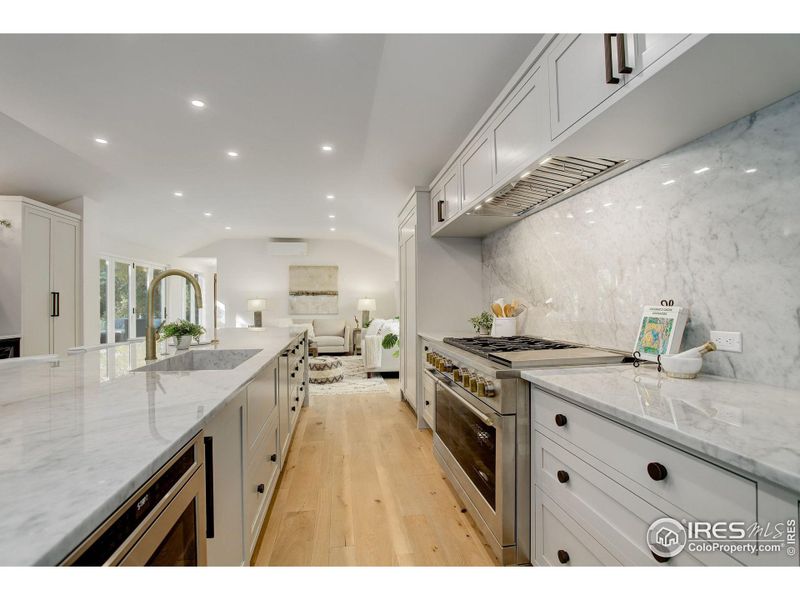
point(657, 471)
point(292, 374)
point(563, 476)
point(561, 420)
point(439, 211)
point(427, 402)
point(622, 67)
point(563, 556)
point(274, 457)
point(294, 408)
point(260, 488)
point(661, 559)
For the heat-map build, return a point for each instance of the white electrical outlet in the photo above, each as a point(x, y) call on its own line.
point(727, 341)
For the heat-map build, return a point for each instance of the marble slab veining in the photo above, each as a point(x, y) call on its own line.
point(713, 225)
point(78, 438)
point(750, 427)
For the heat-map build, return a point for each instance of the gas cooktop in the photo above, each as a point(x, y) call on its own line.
point(522, 351)
point(486, 345)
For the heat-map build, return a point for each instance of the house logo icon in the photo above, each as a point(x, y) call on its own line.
point(666, 537)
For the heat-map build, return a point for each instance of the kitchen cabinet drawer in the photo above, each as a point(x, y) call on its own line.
point(428, 400)
point(560, 541)
point(577, 72)
point(521, 132)
point(262, 402)
point(262, 474)
point(612, 514)
point(703, 490)
point(477, 170)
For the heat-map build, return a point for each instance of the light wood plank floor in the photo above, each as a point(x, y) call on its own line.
point(362, 487)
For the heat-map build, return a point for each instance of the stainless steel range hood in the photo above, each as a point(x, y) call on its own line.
point(555, 179)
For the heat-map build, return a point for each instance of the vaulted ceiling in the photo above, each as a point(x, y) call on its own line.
point(393, 107)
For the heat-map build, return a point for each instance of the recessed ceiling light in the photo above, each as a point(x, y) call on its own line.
point(701, 170)
point(232, 153)
point(101, 141)
point(206, 214)
point(750, 170)
point(333, 228)
point(331, 216)
point(639, 207)
point(178, 194)
point(326, 148)
point(569, 216)
point(668, 182)
point(330, 197)
point(227, 227)
point(198, 103)
point(607, 204)
point(589, 210)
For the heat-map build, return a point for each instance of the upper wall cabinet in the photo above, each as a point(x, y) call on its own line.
point(584, 71)
point(649, 47)
point(446, 198)
point(477, 169)
point(522, 129)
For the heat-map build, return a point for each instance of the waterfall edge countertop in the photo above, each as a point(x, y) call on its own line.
point(750, 427)
point(79, 437)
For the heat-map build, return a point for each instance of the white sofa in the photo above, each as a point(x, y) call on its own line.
point(378, 359)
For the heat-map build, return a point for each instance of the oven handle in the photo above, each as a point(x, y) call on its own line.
point(448, 386)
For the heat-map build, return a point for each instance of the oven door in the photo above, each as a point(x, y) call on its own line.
point(177, 537)
point(477, 446)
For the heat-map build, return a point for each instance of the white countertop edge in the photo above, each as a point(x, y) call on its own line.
point(696, 446)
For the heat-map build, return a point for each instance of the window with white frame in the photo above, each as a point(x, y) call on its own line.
point(123, 298)
point(191, 312)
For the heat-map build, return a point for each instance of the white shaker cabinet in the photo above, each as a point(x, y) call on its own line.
point(224, 471)
point(40, 276)
point(477, 170)
point(451, 193)
point(584, 71)
point(521, 131)
point(408, 306)
point(649, 47)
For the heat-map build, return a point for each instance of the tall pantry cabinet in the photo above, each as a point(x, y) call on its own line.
point(440, 288)
point(41, 296)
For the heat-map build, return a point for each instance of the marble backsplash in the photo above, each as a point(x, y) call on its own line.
point(713, 225)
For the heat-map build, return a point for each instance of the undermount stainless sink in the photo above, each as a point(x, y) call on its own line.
point(201, 360)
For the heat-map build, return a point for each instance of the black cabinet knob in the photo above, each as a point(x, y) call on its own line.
point(274, 457)
point(294, 408)
point(260, 488)
point(563, 476)
point(426, 348)
point(563, 556)
point(657, 471)
point(427, 402)
point(561, 420)
point(293, 374)
point(661, 559)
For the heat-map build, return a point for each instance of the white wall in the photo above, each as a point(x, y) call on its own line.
point(246, 270)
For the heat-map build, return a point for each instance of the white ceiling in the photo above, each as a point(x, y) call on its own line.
point(393, 106)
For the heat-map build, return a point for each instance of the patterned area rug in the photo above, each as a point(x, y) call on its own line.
point(355, 381)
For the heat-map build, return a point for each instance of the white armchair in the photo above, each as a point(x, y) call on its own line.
point(378, 359)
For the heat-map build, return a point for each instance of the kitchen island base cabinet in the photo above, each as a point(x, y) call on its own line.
point(223, 439)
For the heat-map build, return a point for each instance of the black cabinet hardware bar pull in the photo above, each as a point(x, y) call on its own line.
point(609, 66)
point(52, 304)
point(621, 56)
point(58, 304)
point(260, 488)
point(208, 443)
point(440, 211)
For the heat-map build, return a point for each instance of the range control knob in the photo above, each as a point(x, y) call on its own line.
point(489, 389)
point(457, 375)
point(473, 384)
point(481, 391)
point(466, 376)
point(448, 366)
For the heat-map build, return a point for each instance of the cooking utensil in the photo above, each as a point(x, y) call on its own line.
point(508, 310)
point(497, 309)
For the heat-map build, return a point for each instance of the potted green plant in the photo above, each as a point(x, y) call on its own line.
point(482, 323)
point(183, 331)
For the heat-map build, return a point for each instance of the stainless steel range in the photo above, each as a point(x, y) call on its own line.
point(482, 426)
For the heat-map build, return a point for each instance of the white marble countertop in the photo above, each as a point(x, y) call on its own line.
point(753, 428)
point(78, 438)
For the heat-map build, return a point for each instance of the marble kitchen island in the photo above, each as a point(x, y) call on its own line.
point(77, 438)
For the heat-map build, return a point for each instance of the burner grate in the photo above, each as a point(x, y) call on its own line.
point(485, 345)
